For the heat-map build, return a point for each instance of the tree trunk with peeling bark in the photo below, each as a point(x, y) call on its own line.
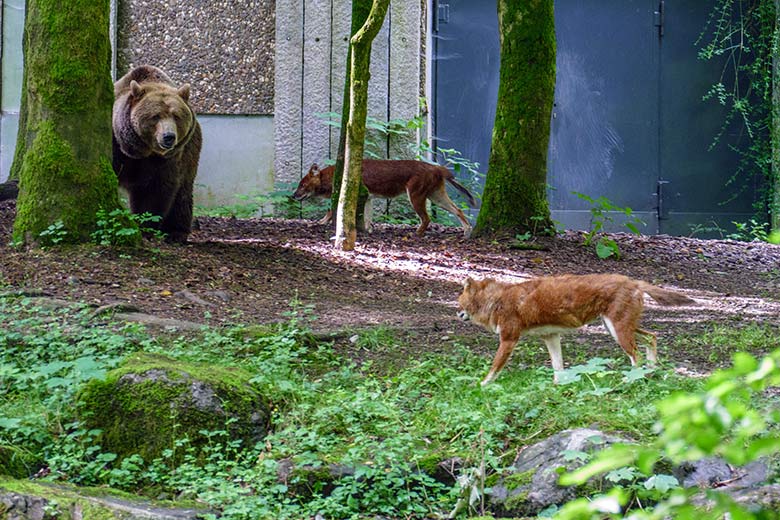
point(360, 50)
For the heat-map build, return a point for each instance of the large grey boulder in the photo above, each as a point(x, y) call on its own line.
point(531, 484)
point(745, 485)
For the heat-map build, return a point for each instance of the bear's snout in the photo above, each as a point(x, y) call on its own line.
point(168, 140)
point(165, 133)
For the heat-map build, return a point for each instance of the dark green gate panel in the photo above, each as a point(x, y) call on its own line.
point(465, 76)
point(696, 191)
point(629, 123)
point(604, 138)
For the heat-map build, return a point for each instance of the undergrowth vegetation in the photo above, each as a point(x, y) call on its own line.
point(347, 440)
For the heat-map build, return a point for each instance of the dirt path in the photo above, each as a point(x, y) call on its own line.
point(248, 271)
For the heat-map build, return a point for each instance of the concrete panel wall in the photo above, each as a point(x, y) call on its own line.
point(317, 44)
point(310, 68)
point(237, 159)
point(225, 50)
point(288, 86)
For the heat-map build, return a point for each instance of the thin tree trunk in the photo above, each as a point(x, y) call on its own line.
point(515, 196)
point(360, 12)
point(64, 159)
point(775, 187)
point(360, 45)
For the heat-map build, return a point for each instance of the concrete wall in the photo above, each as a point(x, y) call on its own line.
point(311, 49)
point(260, 72)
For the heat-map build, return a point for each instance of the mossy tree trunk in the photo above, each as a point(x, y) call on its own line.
point(360, 11)
point(775, 129)
point(64, 159)
point(515, 196)
point(360, 50)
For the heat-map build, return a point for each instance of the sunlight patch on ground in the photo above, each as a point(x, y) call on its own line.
point(441, 264)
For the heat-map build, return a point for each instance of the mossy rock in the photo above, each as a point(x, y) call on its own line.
point(151, 401)
point(17, 463)
point(531, 483)
point(307, 480)
point(25, 500)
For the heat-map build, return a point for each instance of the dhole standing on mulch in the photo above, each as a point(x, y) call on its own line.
point(388, 179)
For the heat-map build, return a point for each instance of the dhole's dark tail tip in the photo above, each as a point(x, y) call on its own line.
point(461, 188)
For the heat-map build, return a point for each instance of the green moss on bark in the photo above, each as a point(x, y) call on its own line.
point(515, 198)
point(64, 143)
point(775, 132)
point(66, 47)
point(17, 463)
point(58, 187)
point(151, 401)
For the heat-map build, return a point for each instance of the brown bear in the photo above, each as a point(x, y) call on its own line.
point(157, 144)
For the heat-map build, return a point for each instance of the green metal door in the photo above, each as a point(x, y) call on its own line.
point(629, 122)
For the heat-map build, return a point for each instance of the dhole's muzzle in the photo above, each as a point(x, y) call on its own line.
point(301, 196)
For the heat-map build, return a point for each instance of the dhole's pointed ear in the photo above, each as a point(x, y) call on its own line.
point(314, 169)
point(468, 282)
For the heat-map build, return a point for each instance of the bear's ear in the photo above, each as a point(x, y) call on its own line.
point(184, 92)
point(136, 90)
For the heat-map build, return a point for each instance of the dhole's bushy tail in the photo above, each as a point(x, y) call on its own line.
point(664, 296)
point(463, 190)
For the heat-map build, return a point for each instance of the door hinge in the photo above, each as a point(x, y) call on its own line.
point(658, 18)
point(442, 14)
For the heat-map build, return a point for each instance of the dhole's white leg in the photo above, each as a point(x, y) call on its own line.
point(651, 351)
point(625, 338)
point(610, 328)
point(441, 199)
point(368, 213)
point(553, 342)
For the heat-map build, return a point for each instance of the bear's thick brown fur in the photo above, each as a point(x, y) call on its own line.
point(157, 143)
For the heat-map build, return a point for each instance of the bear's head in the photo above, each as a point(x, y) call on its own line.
point(160, 116)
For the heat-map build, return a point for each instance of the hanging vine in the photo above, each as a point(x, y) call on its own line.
point(744, 34)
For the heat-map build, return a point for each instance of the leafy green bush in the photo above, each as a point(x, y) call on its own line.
point(719, 421)
point(601, 210)
point(121, 228)
point(53, 235)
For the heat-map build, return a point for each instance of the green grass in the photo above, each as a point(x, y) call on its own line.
point(719, 342)
point(390, 426)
